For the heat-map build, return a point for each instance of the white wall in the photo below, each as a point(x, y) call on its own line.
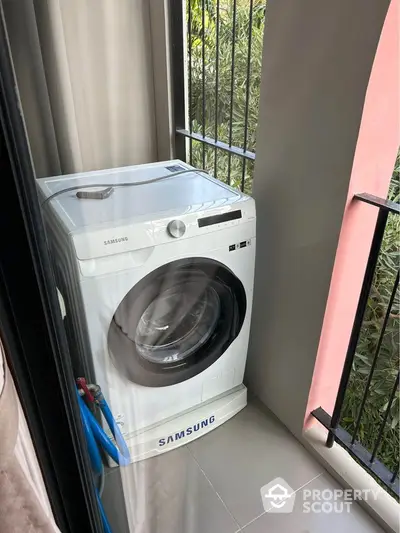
point(316, 65)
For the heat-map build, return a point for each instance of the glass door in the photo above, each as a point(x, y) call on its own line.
point(31, 325)
point(176, 322)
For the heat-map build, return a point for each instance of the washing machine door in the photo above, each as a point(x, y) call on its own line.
point(176, 322)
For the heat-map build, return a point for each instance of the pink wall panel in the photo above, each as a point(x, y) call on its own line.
point(378, 142)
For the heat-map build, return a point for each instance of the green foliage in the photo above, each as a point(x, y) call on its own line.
point(387, 367)
point(217, 98)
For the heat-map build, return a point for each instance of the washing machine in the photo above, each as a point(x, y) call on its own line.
point(157, 284)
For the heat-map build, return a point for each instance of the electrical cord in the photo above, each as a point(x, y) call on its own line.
point(123, 184)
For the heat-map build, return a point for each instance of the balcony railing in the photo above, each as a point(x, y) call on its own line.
point(378, 390)
point(216, 63)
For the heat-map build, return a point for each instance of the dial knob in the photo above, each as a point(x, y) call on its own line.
point(176, 228)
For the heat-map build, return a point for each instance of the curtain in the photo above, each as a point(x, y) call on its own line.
point(85, 76)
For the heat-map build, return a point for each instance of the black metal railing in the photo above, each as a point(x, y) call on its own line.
point(365, 450)
point(216, 63)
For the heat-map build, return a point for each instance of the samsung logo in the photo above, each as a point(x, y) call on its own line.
point(186, 432)
point(115, 241)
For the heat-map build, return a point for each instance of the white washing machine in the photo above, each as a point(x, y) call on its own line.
point(157, 281)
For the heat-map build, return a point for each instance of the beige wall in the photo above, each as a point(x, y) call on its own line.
point(316, 65)
point(85, 74)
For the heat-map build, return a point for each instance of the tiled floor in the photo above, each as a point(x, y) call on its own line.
point(213, 485)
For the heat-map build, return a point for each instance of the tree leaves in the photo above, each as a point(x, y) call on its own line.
point(217, 99)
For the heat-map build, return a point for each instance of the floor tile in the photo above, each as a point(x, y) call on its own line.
point(248, 452)
point(352, 520)
point(167, 494)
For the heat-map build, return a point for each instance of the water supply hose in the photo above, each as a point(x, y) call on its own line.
point(96, 438)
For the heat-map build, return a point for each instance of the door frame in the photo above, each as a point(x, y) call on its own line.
point(31, 325)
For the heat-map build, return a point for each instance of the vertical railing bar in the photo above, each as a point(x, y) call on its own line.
point(243, 175)
point(375, 360)
point(232, 88)
point(203, 53)
point(355, 333)
point(383, 424)
point(216, 88)
point(189, 8)
point(246, 113)
point(392, 479)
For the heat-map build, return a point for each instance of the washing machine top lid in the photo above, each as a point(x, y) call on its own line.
point(181, 194)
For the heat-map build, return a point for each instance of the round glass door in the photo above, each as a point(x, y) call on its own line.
point(176, 322)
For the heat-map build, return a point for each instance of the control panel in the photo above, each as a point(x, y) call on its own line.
point(217, 219)
point(176, 228)
point(237, 246)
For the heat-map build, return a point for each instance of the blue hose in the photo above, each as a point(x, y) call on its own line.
point(104, 519)
point(94, 453)
point(96, 437)
point(124, 457)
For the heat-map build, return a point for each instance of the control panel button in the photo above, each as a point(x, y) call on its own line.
point(176, 228)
